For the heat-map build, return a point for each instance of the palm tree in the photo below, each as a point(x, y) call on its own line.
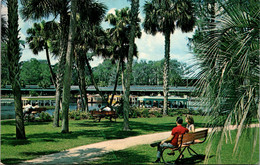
point(34, 9)
point(119, 35)
point(133, 30)
point(68, 68)
point(164, 16)
point(13, 57)
point(38, 39)
point(92, 38)
point(228, 57)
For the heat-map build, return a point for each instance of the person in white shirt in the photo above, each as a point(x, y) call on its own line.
point(190, 124)
point(107, 108)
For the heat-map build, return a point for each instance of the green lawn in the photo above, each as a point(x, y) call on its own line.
point(144, 154)
point(43, 139)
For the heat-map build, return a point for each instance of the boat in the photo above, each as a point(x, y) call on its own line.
point(47, 102)
point(157, 101)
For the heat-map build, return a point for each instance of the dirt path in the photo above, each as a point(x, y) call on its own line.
point(83, 154)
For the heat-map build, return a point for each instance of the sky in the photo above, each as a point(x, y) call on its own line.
point(149, 47)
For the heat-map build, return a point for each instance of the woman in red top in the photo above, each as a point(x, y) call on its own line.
point(176, 131)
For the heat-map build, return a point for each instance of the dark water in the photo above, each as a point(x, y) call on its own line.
point(7, 109)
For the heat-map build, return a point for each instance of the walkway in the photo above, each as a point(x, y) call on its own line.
point(84, 154)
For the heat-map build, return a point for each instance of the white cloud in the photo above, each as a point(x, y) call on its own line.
point(152, 47)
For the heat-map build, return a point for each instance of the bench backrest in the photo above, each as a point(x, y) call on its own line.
point(103, 112)
point(189, 137)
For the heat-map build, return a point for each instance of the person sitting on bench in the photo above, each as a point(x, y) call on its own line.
point(176, 131)
point(107, 108)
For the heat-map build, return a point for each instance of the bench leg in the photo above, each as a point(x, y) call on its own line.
point(180, 154)
point(192, 150)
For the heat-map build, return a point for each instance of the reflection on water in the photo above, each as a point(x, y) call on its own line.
point(7, 109)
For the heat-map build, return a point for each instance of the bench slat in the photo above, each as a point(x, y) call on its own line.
point(189, 137)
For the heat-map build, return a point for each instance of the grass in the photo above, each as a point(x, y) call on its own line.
point(43, 138)
point(144, 154)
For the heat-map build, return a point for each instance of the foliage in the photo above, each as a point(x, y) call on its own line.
point(144, 73)
point(34, 72)
point(228, 56)
point(78, 115)
point(44, 116)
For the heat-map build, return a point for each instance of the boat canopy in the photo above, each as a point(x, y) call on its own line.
point(160, 98)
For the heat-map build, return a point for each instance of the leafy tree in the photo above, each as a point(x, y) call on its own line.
point(34, 72)
point(12, 58)
point(164, 16)
point(229, 62)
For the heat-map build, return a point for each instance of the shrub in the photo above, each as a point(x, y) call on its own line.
point(77, 115)
point(157, 114)
point(44, 116)
point(145, 113)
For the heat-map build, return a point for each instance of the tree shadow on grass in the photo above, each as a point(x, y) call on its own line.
point(123, 157)
point(11, 160)
point(194, 159)
point(39, 153)
point(15, 142)
point(113, 130)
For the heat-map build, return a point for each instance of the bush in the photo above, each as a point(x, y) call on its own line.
point(135, 112)
point(145, 113)
point(157, 114)
point(77, 115)
point(44, 116)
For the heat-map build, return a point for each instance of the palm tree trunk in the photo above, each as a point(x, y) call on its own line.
point(134, 15)
point(53, 78)
point(166, 72)
point(94, 82)
point(82, 84)
point(117, 75)
point(68, 68)
point(62, 55)
point(13, 57)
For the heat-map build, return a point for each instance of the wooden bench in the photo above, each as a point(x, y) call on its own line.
point(102, 114)
point(184, 142)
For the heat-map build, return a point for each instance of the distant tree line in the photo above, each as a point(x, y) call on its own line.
point(36, 72)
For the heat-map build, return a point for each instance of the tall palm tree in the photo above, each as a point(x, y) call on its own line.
point(133, 30)
point(119, 35)
point(165, 16)
point(39, 36)
point(13, 57)
point(91, 39)
point(228, 57)
point(68, 68)
point(34, 9)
